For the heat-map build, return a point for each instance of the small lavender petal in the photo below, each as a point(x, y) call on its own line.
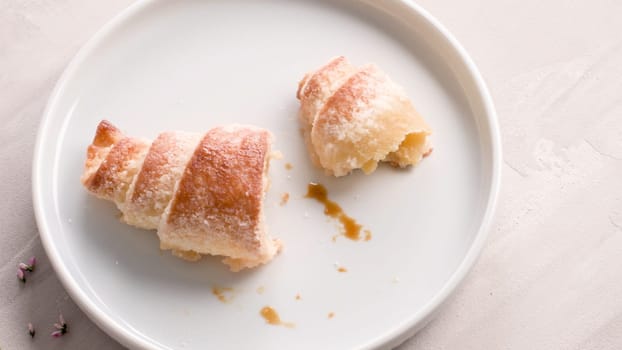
point(58, 326)
point(21, 276)
point(61, 319)
point(23, 267)
point(32, 262)
point(57, 334)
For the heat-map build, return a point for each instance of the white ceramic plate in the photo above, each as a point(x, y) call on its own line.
point(164, 65)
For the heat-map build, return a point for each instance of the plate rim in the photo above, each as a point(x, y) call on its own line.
point(390, 339)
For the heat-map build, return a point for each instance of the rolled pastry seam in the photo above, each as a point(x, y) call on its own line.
point(153, 187)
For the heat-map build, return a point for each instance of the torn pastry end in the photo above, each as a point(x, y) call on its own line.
point(355, 117)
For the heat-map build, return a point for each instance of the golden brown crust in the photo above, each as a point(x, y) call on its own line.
point(355, 117)
point(112, 162)
point(217, 206)
point(115, 174)
point(106, 134)
point(105, 137)
point(313, 91)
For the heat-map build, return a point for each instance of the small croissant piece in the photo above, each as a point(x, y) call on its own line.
point(202, 192)
point(354, 117)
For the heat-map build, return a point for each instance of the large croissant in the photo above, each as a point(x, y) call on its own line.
point(202, 192)
point(354, 117)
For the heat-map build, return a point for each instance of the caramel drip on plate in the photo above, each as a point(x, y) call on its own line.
point(221, 293)
point(350, 228)
point(272, 317)
point(284, 198)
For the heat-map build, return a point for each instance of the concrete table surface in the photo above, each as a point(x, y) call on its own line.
point(550, 276)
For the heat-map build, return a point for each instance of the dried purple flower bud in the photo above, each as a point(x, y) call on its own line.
point(61, 327)
point(24, 267)
point(31, 330)
point(32, 262)
point(21, 276)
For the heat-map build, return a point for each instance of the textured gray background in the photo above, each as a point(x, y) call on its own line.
point(549, 277)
